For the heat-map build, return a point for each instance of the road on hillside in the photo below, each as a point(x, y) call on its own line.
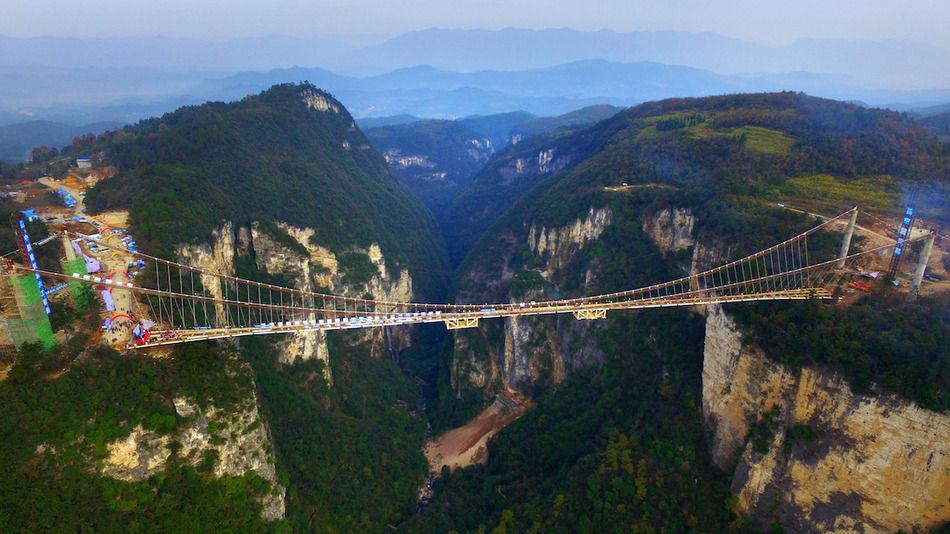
point(70, 188)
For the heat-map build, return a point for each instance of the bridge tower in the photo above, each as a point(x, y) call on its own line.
point(921, 266)
point(846, 242)
point(902, 234)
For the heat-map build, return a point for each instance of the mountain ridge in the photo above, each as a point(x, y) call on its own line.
point(893, 73)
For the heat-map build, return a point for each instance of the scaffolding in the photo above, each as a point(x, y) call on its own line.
point(25, 312)
point(75, 286)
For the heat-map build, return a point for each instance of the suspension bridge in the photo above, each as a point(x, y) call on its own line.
point(177, 303)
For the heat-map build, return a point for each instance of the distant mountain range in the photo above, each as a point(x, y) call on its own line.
point(885, 64)
point(437, 159)
point(454, 73)
point(17, 140)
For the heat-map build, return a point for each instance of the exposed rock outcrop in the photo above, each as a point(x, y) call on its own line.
point(557, 246)
point(236, 440)
point(547, 162)
point(317, 270)
point(671, 229)
point(316, 100)
point(215, 258)
point(533, 349)
point(837, 462)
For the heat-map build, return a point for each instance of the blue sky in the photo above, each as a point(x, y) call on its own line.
point(365, 21)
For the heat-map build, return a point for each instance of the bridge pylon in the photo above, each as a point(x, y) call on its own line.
point(921, 266)
point(846, 242)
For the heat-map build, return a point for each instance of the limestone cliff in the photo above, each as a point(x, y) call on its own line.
point(528, 350)
point(546, 162)
point(671, 229)
point(674, 230)
point(316, 100)
point(557, 246)
point(836, 461)
point(235, 440)
point(317, 270)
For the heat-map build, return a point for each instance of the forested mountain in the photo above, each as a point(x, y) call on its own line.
point(434, 159)
point(614, 445)
point(291, 154)
point(778, 145)
point(733, 162)
point(285, 189)
point(437, 159)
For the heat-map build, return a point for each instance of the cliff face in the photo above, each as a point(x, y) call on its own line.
point(318, 271)
point(527, 350)
point(547, 161)
point(557, 246)
point(236, 440)
point(836, 461)
point(671, 229)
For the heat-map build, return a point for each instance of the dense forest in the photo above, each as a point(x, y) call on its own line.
point(599, 455)
point(56, 427)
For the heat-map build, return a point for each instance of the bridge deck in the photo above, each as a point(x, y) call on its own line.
point(459, 320)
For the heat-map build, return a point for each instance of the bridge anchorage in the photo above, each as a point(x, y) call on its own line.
point(161, 302)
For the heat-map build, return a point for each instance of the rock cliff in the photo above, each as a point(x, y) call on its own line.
point(671, 229)
point(316, 100)
point(317, 270)
point(528, 350)
point(811, 455)
point(557, 246)
point(234, 441)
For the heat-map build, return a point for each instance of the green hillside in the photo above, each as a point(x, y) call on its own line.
point(740, 149)
point(617, 447)
point(268, 157)
point(435, 159)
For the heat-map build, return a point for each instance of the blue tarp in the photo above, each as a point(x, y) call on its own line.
point(92, 264)
point(107, 298)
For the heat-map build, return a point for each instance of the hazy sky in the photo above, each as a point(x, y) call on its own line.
point(761, 21)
